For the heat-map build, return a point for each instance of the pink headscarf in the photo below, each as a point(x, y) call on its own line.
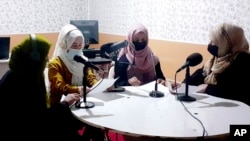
point(143, 59)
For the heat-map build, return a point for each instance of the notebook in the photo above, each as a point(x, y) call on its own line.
point(4, 47)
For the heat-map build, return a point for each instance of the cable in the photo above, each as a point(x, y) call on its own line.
point(203, 127)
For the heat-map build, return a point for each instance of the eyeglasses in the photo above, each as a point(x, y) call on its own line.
point(227, 37)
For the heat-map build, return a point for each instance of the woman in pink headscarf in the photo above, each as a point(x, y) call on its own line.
point(137, 65)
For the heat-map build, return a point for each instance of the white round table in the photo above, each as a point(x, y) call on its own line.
point(135, 113)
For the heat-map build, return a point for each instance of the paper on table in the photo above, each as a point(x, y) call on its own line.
point(102, 85)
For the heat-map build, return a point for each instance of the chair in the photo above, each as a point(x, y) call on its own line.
point(47, 84)
point(4, 65)
point(46, 78)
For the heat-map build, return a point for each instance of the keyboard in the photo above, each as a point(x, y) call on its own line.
point(99, 60)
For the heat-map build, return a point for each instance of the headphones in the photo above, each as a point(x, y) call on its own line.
point(35, 55)
point(63, 43)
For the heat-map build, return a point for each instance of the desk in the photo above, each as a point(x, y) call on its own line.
point(102, 63)
point(4, 66)
point(134, 113)
point(99, 60)
point(95, 57)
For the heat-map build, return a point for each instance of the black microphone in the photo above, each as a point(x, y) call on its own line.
point(133, 63)
point(112, 47)
point(192, 60)
point(119, 45)
point(79, 59)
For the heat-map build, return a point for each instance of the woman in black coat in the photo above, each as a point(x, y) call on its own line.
point(227, 73)
point(24, 112)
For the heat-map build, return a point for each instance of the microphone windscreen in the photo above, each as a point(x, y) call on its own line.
point(78, 58)
point(106, 48)
point(194, 59)
point(112, 47)
point(119, 45)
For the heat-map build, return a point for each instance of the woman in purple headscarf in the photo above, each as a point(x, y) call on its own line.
point(137, 65)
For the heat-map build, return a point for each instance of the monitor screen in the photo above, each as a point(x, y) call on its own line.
point(89, 29)
point(4, 47)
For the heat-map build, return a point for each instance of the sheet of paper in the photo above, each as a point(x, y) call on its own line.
point(98, 91)
point(102, 85)
point(145, 89)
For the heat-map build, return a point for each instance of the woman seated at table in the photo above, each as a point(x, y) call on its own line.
point(24, 113)
point(66, 75)
point(227, 72)
point(137, 65)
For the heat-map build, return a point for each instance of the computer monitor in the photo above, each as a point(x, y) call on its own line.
point(4, 47)
point(89, 29)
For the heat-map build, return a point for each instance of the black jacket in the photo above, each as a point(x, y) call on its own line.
point(121, 72)
point(232, 83)
point(24, 114)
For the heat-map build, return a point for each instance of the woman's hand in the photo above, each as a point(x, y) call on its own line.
point(71, 98)
point(134, 81)
point(173, 86)
point(80, 89)
point(201, 88)
point(161, 81)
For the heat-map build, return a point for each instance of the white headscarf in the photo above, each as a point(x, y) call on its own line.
point(66, 38)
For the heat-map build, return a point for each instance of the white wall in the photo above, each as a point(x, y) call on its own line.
point(173, 20)
point(26, 16)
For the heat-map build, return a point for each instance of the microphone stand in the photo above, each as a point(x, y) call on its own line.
point(186, 97)
point(114, 58)
point(84, 83)
point(155, 93)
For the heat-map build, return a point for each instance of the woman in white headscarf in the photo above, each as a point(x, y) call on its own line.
point(65, 74)
point(226, 73)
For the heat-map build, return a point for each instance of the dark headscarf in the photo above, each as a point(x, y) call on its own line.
point(21, 60)
point(24, 84)
point(27, 72)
